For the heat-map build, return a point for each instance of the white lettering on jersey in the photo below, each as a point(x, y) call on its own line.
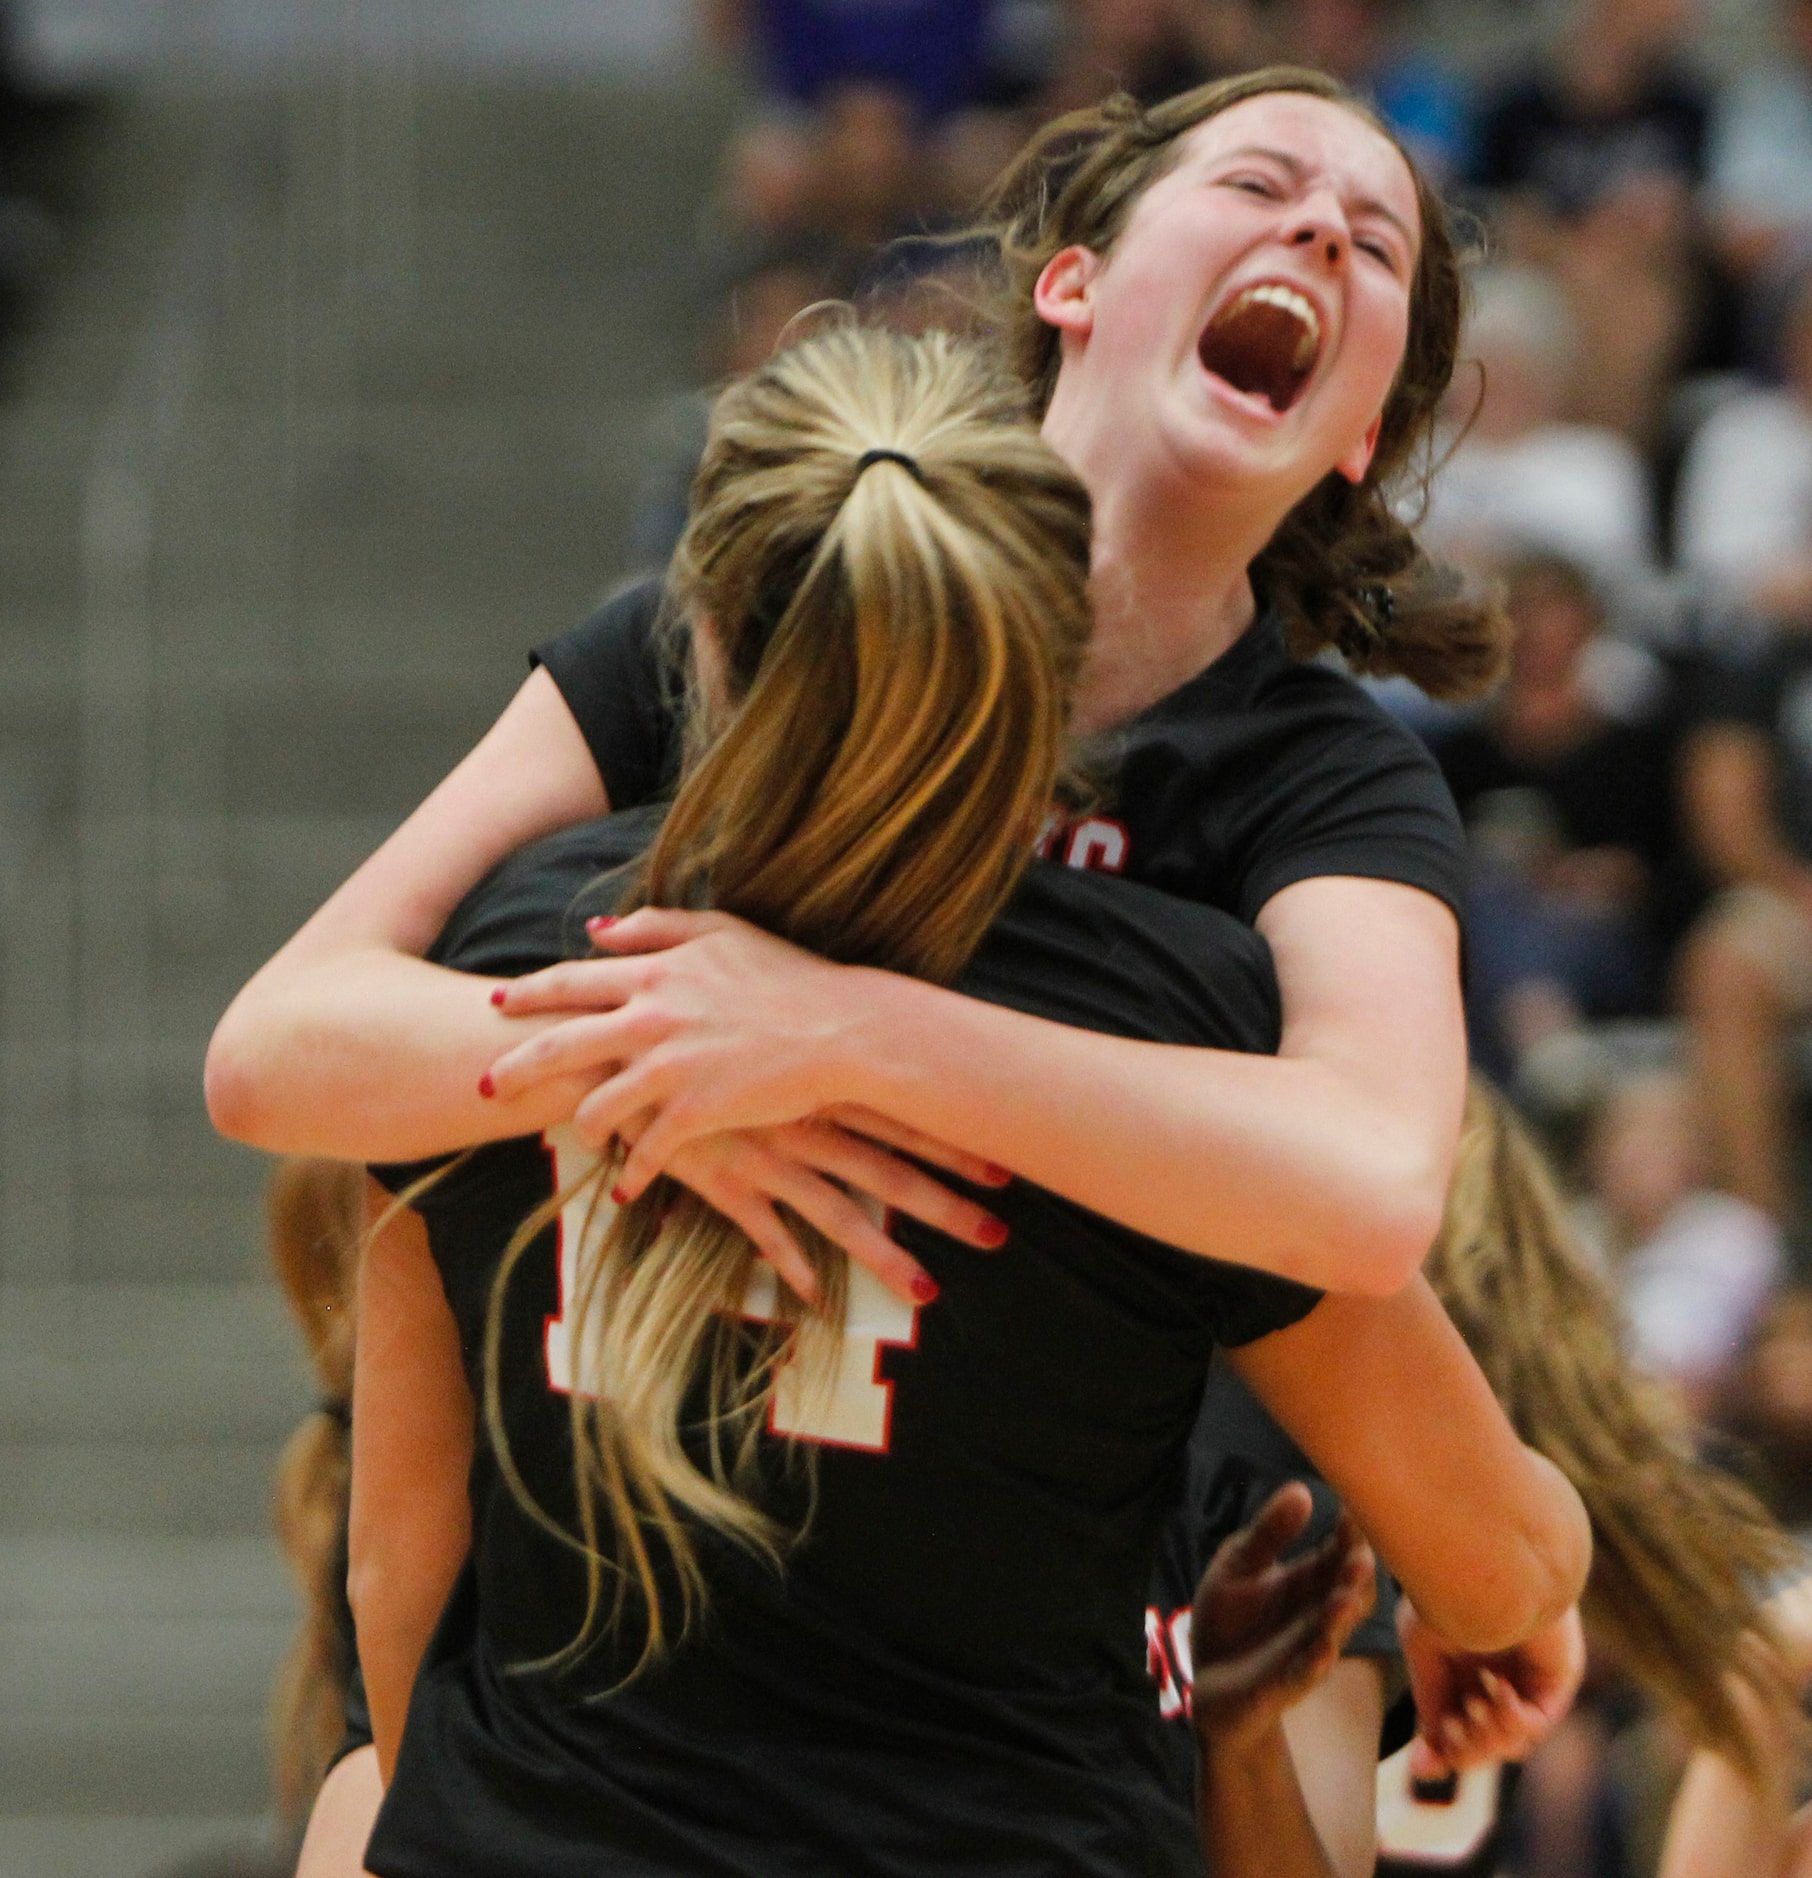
point(1174, 1690)
point(1100, 844)
point(855, 1411)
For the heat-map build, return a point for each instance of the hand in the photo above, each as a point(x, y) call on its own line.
point(746, 1174)
point(1263, 1633)
point(1473, 1708)
point(706, 1023)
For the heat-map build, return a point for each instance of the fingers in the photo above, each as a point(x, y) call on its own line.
point(746, 1207)
point(846, 1223)
point(576, 985)
point(891, 1182)
point(652, 929)
point(1280, 1522)
point(921, 1146)
point(581, 1046)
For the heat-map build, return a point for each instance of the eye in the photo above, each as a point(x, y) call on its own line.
point(1379, 251)
point(1254, 183)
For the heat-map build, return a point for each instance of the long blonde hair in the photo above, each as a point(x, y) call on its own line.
point(900, 635)
point(1681, 1551)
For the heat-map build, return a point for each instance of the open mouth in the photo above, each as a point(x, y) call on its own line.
point(1264, 342)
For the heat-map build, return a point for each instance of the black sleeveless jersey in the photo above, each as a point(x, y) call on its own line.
point(950, 1673)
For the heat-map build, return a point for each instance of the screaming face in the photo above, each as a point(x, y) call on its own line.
point(1264, 342)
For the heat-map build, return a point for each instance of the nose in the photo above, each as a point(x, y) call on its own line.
point(1320, 226)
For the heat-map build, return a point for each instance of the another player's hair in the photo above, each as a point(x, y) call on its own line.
point(889, 566)
point(316, 1224)
point(1681, 1551)
point(1343, 568)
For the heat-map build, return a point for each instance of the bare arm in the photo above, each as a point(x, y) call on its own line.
point(1328, 1163)
point(345, 1043)
point(1486, 1537)
point(1727, 784)
point(412, 1434)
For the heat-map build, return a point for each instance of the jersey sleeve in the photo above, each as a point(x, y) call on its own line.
point(1367, 799)
point(624, 692)
point(1250, 1304)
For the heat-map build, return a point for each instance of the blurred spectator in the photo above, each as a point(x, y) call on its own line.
point(1522, 477)
point(1745, 502)
point(1693, 1267)
point(1364, 44)
point(1760, 185)
point(1746, 970)
point(930, 53)
point(1151, 48)
point(1770, 1407)
point(1569, 807)
point(1591, 160)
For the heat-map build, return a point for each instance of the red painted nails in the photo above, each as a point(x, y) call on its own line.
point(924, 1288)
point(602, 923)
point(992, 1233)
point(620, 1195)
point(497, 994)
point(486, 1087)
point(996, 1175)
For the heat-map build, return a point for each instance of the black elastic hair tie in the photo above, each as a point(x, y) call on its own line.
point(337, 1409)
point(910, 464)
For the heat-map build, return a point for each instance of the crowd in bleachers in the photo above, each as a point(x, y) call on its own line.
point(1629, 459)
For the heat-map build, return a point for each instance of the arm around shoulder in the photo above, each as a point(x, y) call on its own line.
point(345, 1029)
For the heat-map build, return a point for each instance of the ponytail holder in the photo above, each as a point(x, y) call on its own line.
point(1380, 602)
point(910, 464)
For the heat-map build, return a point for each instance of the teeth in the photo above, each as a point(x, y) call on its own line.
point(1274, 293)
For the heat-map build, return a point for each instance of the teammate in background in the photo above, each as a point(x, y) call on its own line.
point(316, 1214)
point(1236, 313)
point(948, 1673)
point(1682, 1554)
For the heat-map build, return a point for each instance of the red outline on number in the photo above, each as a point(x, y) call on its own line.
point(908, 1342)
point(559, 1316)
point(1079, 860)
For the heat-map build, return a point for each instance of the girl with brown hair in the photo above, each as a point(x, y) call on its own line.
point(1236, 313)
point(822, 1581)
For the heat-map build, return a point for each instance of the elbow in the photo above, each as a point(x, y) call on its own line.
point(231, 1086)
point(1388, 1233)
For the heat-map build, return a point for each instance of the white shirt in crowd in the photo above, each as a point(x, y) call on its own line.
point(1745, 498)
point(1760, 161)
point(1570, 489)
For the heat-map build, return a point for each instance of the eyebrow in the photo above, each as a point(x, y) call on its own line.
point(1368, 205)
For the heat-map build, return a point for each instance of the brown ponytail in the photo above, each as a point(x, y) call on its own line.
point(1343, 570)
point(891, 568)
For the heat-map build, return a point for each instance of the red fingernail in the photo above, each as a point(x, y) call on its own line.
point(992, 1233)
point(620, 1195)
point(497, 994)
point(601, 923)
point(924, 1288)
point(996, 1175)
point(486, 1087)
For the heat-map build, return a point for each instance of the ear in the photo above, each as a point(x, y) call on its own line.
point(1359, 458)
point(1063, 296)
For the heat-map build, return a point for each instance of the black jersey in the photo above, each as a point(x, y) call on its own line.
point(1261, 771)
point(950, 1675)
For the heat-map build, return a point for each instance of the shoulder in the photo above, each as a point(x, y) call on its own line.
point(620, 675)
point(1112, 955)
point(530, 910)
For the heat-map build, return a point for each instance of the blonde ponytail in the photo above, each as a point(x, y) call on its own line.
point(889, 568)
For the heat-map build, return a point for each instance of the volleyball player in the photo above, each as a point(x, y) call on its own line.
point(1683, 1558)
point(1162, 262)
point(947, 1670)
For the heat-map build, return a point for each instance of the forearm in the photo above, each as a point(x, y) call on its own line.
point(1487, 1538)
point(1254, 1819)
point(396, 1606)
point(369, 1056)
point(1287, 1164)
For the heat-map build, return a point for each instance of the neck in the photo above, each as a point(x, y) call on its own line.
point(1169, 582)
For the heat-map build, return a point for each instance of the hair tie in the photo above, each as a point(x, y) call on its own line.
point(910, 464)
point(337, 1410)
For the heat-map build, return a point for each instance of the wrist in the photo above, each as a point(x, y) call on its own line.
point(874, 1060)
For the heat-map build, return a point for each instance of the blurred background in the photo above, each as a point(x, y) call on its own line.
point(348, 347)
